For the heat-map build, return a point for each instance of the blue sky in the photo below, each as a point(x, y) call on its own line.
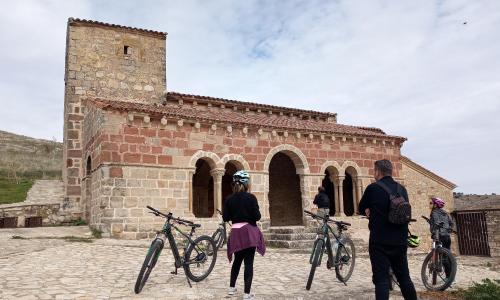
point(412, 68)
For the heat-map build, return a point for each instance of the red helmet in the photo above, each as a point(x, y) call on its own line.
point(438, 202)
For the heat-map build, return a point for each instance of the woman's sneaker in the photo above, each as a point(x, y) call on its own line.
point(231, 291)
point(248, 297)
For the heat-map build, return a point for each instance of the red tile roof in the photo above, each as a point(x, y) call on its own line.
point(244, 119)
point(263, 107)
point(72, 21)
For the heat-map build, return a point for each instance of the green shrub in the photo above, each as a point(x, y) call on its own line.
point(78, 222)
point(487, 290)
point(96, 233)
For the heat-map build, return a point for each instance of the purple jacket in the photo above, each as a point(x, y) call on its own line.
point(243, 236)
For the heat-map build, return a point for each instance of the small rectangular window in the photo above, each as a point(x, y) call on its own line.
point(126, 50)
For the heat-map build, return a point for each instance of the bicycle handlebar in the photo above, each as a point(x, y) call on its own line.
point(327, 218)
point(169, 216)
point(438, 225)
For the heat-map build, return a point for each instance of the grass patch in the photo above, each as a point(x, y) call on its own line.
point(18, 237)
point(486, 290)
point(10, 192)
point(76, 239)
point(78, 222)
point(69, 238)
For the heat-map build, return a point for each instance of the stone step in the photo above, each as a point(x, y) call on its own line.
point(291, 230)
point(290, 237)
point(50, 191)
point(298, 244)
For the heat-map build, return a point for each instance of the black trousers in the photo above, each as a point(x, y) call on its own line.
point(384, 256)
point(446, 241)
point(246, 255)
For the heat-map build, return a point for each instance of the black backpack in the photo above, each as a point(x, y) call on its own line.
point(399, 208)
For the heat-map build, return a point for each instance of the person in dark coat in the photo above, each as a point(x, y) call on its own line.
point(388, 242)
point(242, 209)
point(323, 202)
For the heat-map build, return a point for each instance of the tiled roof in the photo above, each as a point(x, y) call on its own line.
point(214, 100)
point(238, 118)
point(410, 163)
point(97, 23)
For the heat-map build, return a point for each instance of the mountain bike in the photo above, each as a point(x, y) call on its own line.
point(199, 255)
point(433, 271)
point(220, 235)
point(345, 254)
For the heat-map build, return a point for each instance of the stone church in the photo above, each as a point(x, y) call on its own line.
point(128, 143)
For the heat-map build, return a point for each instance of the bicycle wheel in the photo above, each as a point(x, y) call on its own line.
point(345, 260)
point(319, 246)
point(200, 257)
point(433, 272)
point(148, 264)
point(219, 237)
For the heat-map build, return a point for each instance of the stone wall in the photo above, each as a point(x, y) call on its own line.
point(493, 225)
point(97, 66)
point(51, 213)
point(421, 188)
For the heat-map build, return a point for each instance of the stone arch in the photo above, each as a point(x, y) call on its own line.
point(211, 158)
point(350, 184)
point(236, 159)
point(202, 187)
point(298, 158)
point(350, 164)
point(329, 165)
point(331, 171)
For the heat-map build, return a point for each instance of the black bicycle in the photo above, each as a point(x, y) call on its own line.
point(199, 255)
point(345, 254)
point(220, 235)
point(436, 262)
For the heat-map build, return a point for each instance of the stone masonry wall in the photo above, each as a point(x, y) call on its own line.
point(493, 225)
point(97, 66)
point(420, 190)
point(144, 162)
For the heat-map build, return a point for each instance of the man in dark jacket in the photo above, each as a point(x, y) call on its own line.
point(323, 202)
point(388, 242)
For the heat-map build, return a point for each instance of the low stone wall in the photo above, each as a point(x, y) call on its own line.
point(51, 213)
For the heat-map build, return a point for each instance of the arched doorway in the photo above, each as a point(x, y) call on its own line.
point(285, 200)
point(227, 179)
point(203, 190)
point(88, 189)
point(329, 186)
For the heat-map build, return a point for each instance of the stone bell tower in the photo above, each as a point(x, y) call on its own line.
point(105, 61)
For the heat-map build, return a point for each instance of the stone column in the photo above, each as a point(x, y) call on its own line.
point(356, 192)
point(217, 176)
point(190, 183)
point(341, 196)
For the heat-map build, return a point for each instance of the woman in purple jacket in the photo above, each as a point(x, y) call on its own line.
point(242, 209)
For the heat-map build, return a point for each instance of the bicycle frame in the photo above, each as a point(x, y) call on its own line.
point(166, 234)
point(325, 230)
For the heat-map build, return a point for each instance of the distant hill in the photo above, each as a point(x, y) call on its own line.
point(28, 157)
point(476, 202)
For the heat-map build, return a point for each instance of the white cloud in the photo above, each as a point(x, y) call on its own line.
point(411, 68)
